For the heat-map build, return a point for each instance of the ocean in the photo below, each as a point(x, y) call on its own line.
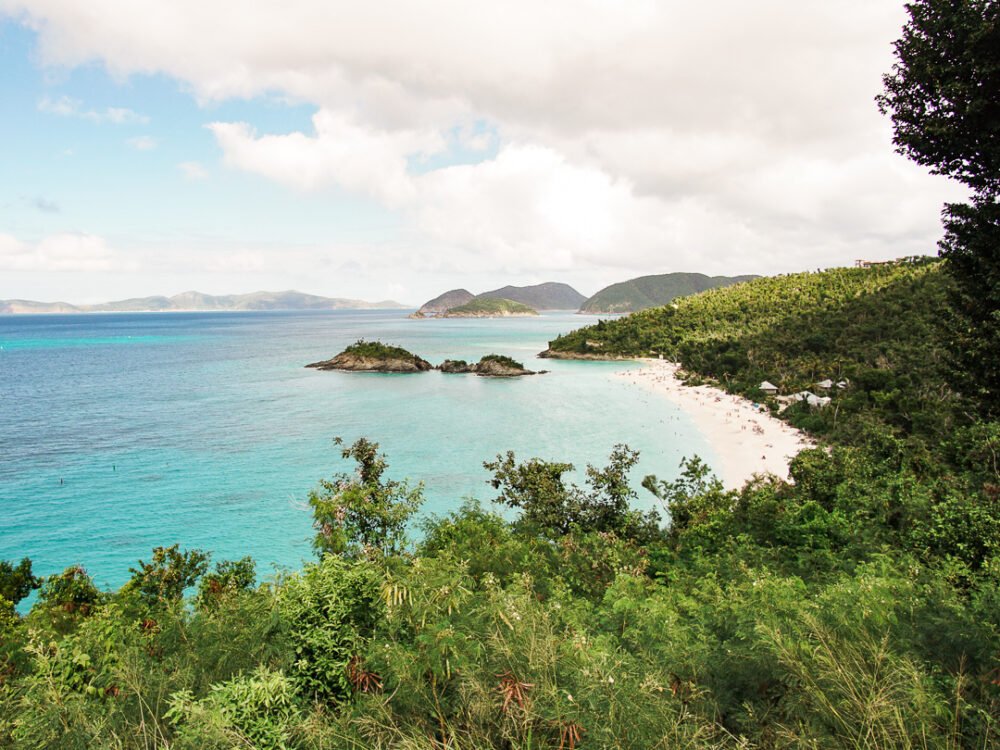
point(122, 432)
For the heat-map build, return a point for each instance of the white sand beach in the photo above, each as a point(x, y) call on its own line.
point(747, 440)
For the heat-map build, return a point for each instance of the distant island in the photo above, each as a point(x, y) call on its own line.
point(488, 307)
point(548, 296)
point(374, 356)
point(653, 291)
point(198, 302)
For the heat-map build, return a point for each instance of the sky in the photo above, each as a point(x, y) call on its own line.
point(393, 150)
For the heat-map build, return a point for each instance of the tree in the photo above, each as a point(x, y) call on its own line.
point(168, 574)
point(363, 515)
point(17, 581)
point(548, 505)
point(943, 95)
point(944, 91)
point(972, 246)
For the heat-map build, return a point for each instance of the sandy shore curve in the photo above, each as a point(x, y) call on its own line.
point(747, 440)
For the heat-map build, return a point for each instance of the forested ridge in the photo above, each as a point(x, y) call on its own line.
point(878, 330)
point(855, 604)
point(650, 291)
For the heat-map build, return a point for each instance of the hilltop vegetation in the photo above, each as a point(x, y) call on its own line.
point(548, 296)
point(878, 328)
point(651, 291)
point(374, 356)
point(488, 307)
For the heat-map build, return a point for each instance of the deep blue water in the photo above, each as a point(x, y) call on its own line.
point(122, 432)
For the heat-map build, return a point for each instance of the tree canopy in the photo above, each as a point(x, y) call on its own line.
point(943, 93)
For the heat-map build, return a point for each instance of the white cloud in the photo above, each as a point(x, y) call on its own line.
point(193, 170)
point(341, 151)
point(66, 251)
point(654, 136)
point(66, 106)
point(142, 143)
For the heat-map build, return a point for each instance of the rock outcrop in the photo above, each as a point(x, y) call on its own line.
point(365, 356)
point(455, 366)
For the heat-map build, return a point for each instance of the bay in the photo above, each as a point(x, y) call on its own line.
point(122, 432)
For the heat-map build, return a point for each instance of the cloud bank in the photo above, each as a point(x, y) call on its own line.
point(622, 139)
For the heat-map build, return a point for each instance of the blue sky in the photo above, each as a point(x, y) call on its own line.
point(131, 181)
point(393, 151)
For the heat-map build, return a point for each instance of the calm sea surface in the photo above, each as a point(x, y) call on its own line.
point(122, 432)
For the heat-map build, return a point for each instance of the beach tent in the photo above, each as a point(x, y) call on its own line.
point(769, 388)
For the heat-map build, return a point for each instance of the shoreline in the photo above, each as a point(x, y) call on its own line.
point(746, 441)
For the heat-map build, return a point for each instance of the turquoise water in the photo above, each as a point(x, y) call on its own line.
point(122, 432)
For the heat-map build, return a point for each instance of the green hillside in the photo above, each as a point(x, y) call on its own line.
point(483, 307)
point(875, 327)
point(551, 295)
point(651, 291)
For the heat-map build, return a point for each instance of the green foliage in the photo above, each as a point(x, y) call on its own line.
point(17, 581)
point(228, 578)
point(877, 328)
point(67, 598)
point(941, 92)
point(734, 313)
point(377, 350)
point(942, 98)
point(652, 291)
point(363, 515)
point(167, 575)
point(500, 359)
point(257, 710)
point(971, 246)
point(486, 543)
point(491, 306)
point(329, 611)
point(547, 504)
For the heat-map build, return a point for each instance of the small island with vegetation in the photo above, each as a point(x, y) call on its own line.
point(489, 307)
point(374, 356)
point(490, 366)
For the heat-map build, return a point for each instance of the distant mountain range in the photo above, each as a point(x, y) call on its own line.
point(444, 302)
point(653, 291)
point(548, 296)
point(197, 302)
